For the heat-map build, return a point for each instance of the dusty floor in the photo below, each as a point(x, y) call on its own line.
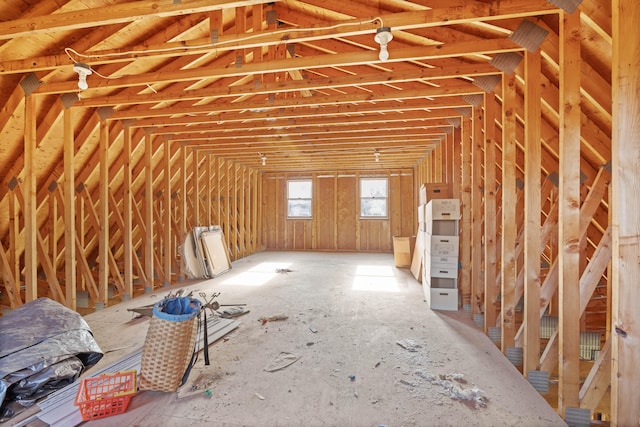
point(351, 371)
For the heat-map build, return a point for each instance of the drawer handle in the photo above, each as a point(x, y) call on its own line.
point(443, 294)
point(444, 271)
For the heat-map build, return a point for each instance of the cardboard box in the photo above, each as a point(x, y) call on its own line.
point(438, 190)
point(421, 213)
point(403, 250)
point(441, 270)
point(442, 227)
point(441, 299)
point(442, 209)
point(443, 283)
point(441, 245)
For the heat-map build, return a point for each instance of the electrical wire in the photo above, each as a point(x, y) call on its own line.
point(248, 37)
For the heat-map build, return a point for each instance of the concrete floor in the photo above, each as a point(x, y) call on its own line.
point(351, 371)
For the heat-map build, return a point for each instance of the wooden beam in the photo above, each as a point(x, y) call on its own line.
point(509, 223)
point(166, 219)
point(112, 14)
point(406, 122)
point(43, 256)
point(30, 204)
point(69, 211)
point(240, 212)
point(182, 208)
point(51, 229)
point(533, 206)
point(449, 50)
point(456, 160)
point(274, 36)
point(14, 233)
point(588, 283)
point(467, 213)
point(587, 210)
point(127, 221)
point(391, 96)
point(195, 174)
point(490, 210)
point(625, 375)
point(569, 214)
point(477, 198)
point(119, 221)
point(103, 218)
point(10, 284)
point(441, 107)
point(217, 193)
point(598, 381)
point(458, 69)
point(148, 213)
point(255, 212)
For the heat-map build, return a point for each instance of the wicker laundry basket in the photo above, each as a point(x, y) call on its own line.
point(169, 344)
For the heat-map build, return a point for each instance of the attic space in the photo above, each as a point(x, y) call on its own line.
point(485, 151)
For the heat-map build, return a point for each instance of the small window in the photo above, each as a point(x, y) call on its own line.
point(299, 198)
point(373, 197)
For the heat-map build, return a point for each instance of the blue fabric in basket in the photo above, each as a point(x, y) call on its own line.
point(177, 309)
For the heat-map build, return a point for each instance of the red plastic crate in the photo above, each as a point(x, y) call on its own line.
point(106, 395)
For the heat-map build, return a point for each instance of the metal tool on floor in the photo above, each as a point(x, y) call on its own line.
point(210, 303)
point(213, 306)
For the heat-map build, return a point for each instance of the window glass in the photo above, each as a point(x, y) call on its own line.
point(299, 198)
point(373, 197)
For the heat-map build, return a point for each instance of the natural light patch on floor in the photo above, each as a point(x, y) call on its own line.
point(375, 278)
point(258, 275)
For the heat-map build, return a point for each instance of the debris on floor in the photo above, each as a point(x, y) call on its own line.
point(283, 271)
point(230, 312)
point(274, 318)
point(409, 345)
point(281, 361)
point(474, 397)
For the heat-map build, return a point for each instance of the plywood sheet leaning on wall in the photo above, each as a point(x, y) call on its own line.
point(205, 253)
point(215, 250)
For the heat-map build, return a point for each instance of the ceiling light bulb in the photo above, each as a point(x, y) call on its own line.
point(83, 71)
point(383, 37)
point(264, 160)
point(377, 156)
point(384, 53)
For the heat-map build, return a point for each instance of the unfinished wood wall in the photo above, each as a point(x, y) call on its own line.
point(108, 222)
point(336, 224)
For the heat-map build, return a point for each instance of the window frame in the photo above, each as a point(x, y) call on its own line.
point(310, 199)
point(362, 197)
